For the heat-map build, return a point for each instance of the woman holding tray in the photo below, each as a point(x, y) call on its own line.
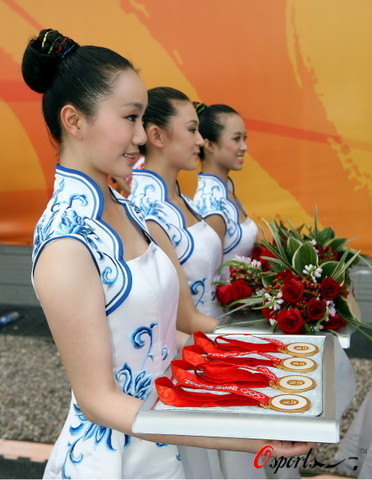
point(224, 134)
point(109, 293)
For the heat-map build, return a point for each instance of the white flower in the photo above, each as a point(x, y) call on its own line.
point(277, 304)
point(318, 272)
point(272, 321)
point(242, 259)
point(331, 307)
point(256, 263)
point(312, 271)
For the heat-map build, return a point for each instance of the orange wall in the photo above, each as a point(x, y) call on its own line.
point(299, 73)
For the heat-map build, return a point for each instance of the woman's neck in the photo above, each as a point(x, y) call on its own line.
point(156, 163)
point(100, 178)
point(211, 168)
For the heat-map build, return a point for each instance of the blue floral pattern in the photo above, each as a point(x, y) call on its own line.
point(197, 289)
point(86, 430)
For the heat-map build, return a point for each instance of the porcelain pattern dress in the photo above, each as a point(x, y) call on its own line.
point(211, 198)
point(198, 247)
point(141, 306)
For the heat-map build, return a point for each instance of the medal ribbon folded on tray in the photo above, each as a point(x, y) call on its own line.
point(192, 394)
point(195, 355)
point(222, 373)
point(223, 343)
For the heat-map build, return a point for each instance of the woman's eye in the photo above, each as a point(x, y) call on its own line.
point(132, 118)
point(237, 139)
point(193, 130)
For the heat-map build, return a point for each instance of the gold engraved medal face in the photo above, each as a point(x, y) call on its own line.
point(298, 364)
point(295, 383)
point(301, 349)
point(289, 403)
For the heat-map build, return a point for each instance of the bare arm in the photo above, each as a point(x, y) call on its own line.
point(71, 295)
point(218, 224)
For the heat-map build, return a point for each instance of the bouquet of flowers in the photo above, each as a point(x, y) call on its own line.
point(299, 280)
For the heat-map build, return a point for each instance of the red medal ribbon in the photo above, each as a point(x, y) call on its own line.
point(195, 354)
point(222, 373)
point(180, 396)
point(222, 343)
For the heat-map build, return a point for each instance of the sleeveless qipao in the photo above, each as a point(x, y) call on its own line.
point(211, 198)
point(198, 247)
point(141, 305)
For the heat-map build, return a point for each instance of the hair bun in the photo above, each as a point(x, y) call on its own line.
point(199, 107)
point(42, 57)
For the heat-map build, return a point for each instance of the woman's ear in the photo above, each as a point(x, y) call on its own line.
point(209, 146)
point(156, 136)
point(72, 119)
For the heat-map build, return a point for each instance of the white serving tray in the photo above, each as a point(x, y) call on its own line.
point(335, 392)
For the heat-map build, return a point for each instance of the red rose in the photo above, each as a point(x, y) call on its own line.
point(330, 289)
point(224, 294)
point(267, 313)
point(293, 291)
point(235, 291)
point(290, 321)
point(334, 322)
point(258, 252)
point(316, 309)
point(241, 289)
point(286, 276)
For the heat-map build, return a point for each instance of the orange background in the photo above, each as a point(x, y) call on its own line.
point(299, 72)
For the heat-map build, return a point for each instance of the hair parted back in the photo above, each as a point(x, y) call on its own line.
point(67, 73)
point(161, 107)
point(210, 124)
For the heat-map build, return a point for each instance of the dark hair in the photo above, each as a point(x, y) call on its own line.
point(160, 107)
point(210, 126)
point(69, 74)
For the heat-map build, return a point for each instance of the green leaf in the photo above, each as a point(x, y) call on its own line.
point(343, 309)
point(305, 255)
point(326, 235)
point(292, 245)
point(337, 243)
point(329, 269)
point(267, 279)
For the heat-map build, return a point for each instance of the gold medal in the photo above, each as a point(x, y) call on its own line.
point(297, 364)
point(301, 349)
point(295, 384)
point(289, 403)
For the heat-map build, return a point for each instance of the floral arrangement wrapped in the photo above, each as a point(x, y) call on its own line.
point(299, 280)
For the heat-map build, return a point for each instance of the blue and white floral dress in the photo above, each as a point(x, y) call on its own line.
point(141, 305)
point(212, 198)
point(198, 247)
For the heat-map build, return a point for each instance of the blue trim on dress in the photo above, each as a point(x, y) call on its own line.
point(224, 186)
point(177, 211)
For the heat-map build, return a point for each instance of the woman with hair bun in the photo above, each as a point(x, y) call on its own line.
point(109, 293)
point(224, 134)
point(173, 144)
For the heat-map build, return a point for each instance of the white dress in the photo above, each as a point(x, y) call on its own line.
point(212, 198)
point(141, 305)
point(198, 247)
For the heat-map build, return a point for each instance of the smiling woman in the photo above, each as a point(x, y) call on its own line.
point(95, 267)
point(224, 147)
